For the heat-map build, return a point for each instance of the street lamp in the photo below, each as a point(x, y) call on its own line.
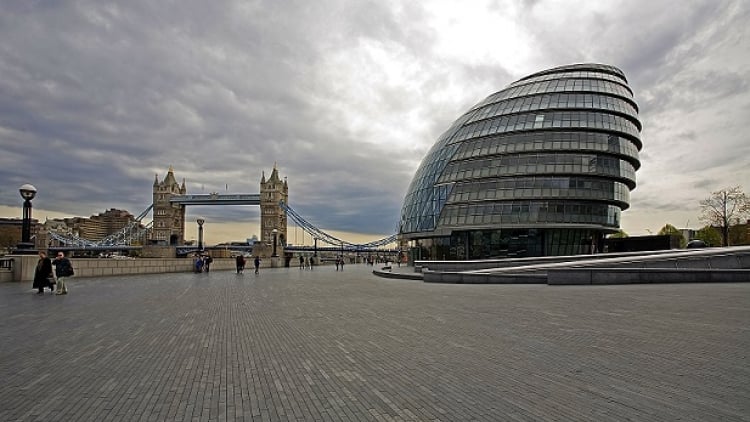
point(200, 222)
point(275, 232)
point(28, 192)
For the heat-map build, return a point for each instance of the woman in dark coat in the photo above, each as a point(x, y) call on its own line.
point(43, 273)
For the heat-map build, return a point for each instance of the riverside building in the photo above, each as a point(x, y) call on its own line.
point(543, 167)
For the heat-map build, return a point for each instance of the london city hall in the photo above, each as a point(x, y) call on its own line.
point(543, 167)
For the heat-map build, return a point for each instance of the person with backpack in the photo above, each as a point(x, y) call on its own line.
point(63, 270)
point(257, 264)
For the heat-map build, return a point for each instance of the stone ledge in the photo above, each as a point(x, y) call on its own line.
point(386, 273)
point(483, 278)
point(604, 276)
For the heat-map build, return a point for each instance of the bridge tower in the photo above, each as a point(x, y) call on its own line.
point(169, 219)
point(272, 216)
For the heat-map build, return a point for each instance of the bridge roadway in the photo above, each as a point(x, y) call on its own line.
point(217, 199)
point(323, 345)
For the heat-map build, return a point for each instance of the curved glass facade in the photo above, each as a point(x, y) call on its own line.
point(543, 167)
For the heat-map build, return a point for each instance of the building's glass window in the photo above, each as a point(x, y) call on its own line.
point(539, 164)
point(507, 243)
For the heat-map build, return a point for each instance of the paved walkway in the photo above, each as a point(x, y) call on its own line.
point(348, 346)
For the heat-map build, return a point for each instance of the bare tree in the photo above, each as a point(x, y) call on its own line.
point(725, 208)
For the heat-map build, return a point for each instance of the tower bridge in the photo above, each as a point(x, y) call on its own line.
point(167, 227)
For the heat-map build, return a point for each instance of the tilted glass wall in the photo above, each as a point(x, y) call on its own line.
point(546, 164)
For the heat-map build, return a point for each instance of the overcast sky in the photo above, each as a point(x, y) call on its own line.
point(345, 96)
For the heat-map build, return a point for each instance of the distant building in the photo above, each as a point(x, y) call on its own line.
point(688, 234)
point(739, 234)
point(642, 243)
point(99, 226)
point(542, 167)
point(57, 225)
point(94, 228)
point(10, 233)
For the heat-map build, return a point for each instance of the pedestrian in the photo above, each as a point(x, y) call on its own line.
point(337, 263)
point(312, 262)
point(63, 270)
point(257, 264)
point(301, 262)
point(198, 264)
point(43, 273)
point(207, 260)
point(240, 263)
point(342, 263)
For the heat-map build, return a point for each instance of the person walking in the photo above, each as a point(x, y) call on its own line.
point(257, 264)
point(63, 270)
point(198, 264)
point(207, 260)
point(240, 263)
point(43, 273)
point(337, 263)
point(301, 262)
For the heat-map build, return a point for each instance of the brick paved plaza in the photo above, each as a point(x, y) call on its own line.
point(348, 346)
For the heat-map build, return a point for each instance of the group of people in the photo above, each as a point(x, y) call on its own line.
point(306, 262)
point(372, 260)
point(340, 263)
point(240, 263)
point(49, 273)
point(203, 263)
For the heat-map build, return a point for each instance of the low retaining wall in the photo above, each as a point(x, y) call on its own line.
point(107, 267)
point(603, 276)
point(386, 272)
point(676, 266)
point(24, 266)
point(483, 278)
point(486, 264)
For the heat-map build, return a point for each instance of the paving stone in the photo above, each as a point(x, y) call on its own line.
point(296, 345)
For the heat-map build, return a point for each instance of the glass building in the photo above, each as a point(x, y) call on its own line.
point(543, 167)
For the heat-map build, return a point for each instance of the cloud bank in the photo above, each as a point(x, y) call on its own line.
point(346, 97)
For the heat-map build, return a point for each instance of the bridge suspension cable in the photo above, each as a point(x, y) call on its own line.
point(328, 238)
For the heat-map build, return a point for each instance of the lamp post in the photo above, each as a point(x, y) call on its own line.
point(275, 233)
point(28, 192)
point(200, 222)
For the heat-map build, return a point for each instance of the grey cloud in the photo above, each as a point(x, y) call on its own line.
point(106, 94)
